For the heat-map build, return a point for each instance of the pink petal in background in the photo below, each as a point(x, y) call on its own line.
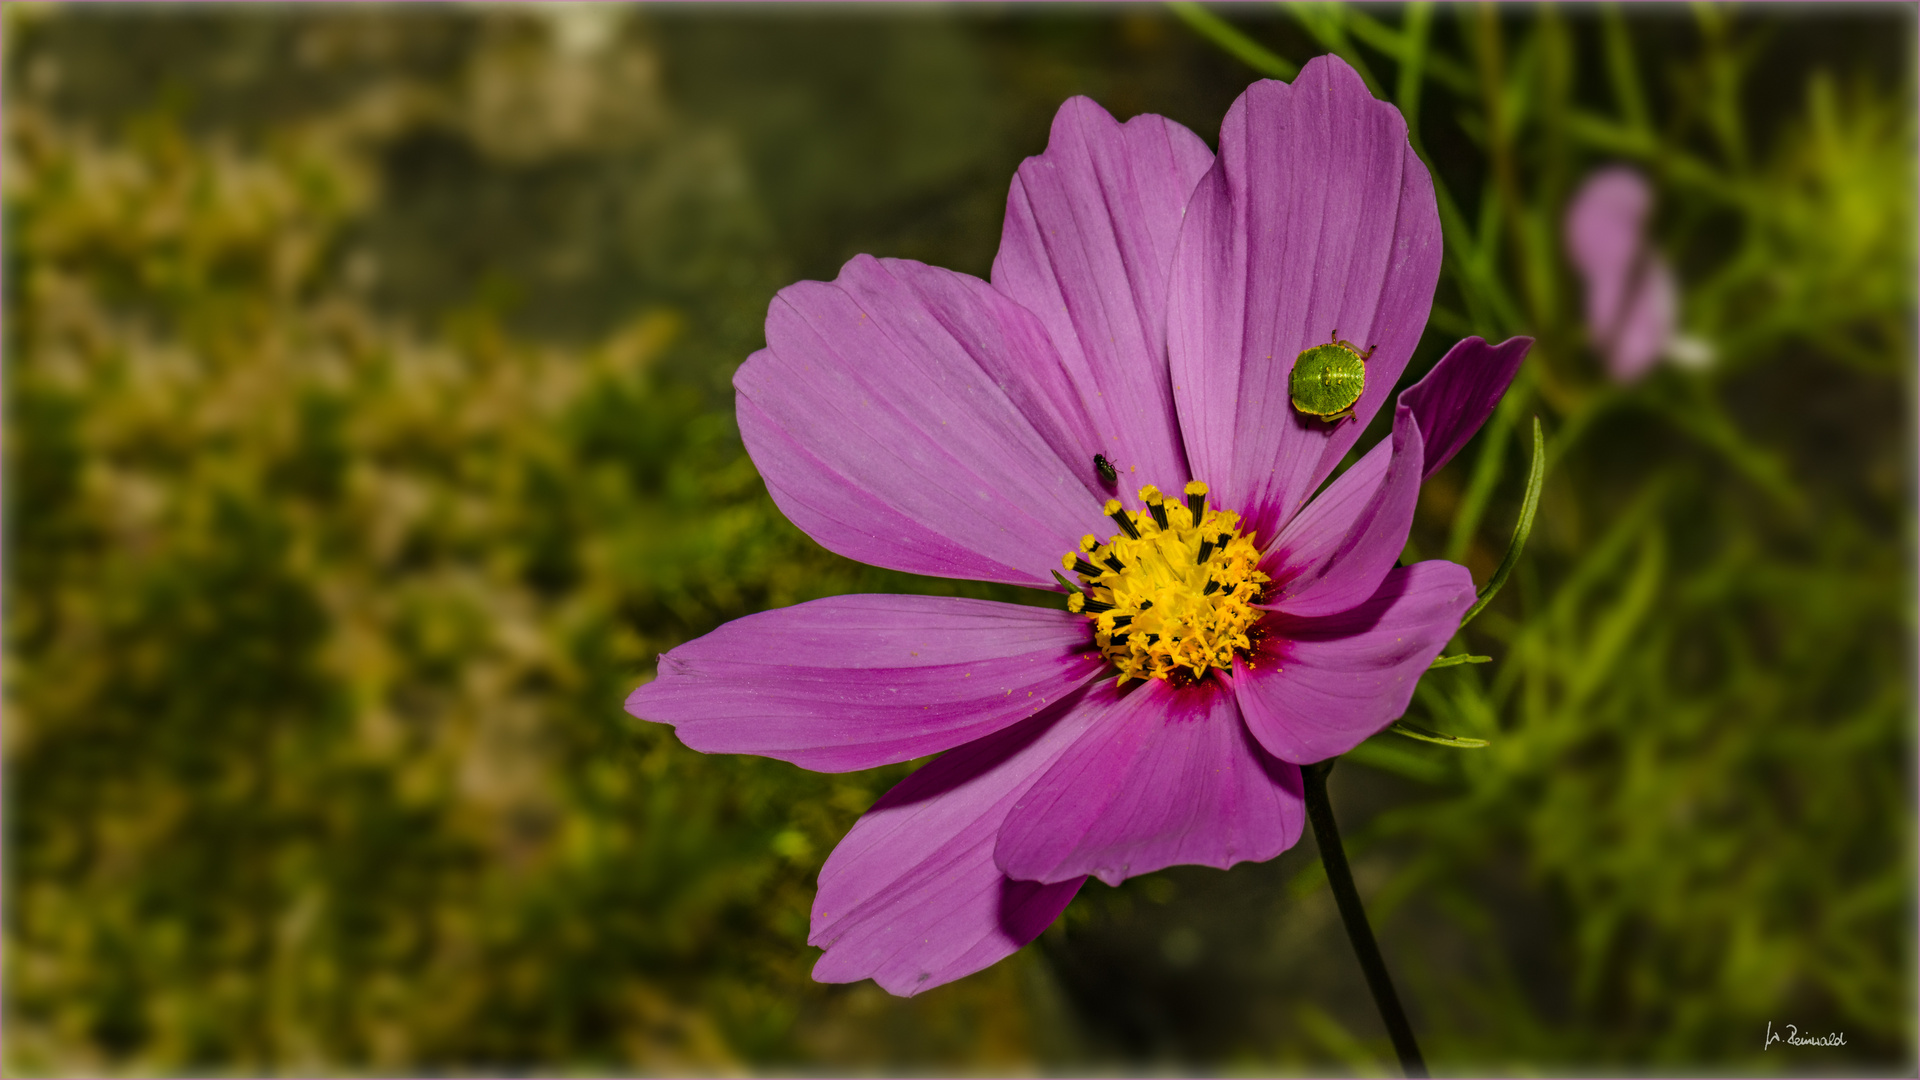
point(1630, 292)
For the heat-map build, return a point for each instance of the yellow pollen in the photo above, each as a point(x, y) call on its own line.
point(1173, 592)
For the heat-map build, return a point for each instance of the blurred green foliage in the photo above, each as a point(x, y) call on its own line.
point(318, 627)
point(367, 437)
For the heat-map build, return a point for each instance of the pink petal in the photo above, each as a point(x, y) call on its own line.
point(1167, 776)
point(1646, 328)
point(1630, 289)
point(1604, 238)
point(1316, 217)
point(1461, 391)
point(1320, 687)
point(1334, 553)
point(896, 417)
point(911, 897)
point(851, 682)
point(1089, 237)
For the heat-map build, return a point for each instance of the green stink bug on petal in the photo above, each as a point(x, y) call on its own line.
point(1328, 379)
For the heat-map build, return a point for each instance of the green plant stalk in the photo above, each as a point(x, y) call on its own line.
point(1222, 33)
point(1623, 72)
point(1340, 879)
point(1555, 78)
point(1536, 478)
point(1501, 130)
point(1413, 58)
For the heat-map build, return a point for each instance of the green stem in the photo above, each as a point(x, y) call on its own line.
point(1340, 878)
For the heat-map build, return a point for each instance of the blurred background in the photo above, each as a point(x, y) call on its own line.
point(368, 434)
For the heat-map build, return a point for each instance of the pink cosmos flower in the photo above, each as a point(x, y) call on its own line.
point(1146, 307)
point(1630, 291)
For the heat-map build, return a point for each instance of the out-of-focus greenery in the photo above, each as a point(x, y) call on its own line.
point(318, 628)
point(367, 438)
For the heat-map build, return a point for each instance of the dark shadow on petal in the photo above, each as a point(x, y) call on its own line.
point(1282, 627)
point(1028, 907)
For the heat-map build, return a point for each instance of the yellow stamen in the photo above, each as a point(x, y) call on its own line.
point(1182, 599)
point(1196, 499)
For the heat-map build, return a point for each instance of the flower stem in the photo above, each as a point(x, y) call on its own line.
point(1340, 877)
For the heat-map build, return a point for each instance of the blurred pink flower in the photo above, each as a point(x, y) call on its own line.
point(1631, 297)
point(1146, 306)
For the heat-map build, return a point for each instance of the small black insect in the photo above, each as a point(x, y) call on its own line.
point(1106, 470)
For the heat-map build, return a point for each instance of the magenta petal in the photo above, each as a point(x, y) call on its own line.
point(1461, 391)
point(1166, 776)
point(1321, 686)
point(1317, 217)
point(900, 415)
point(1334, 553)
point(1090, 231)
point(911, 897)
point(851, 682)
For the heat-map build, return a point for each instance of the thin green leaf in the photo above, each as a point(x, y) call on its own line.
point(1412, 57)
point(1438, 738)
point(1675, 165)
point(1702, 417)
point(1408, 46)
point(1623, 71)
point(1243, 48)
point(1724, 77)
point(1456, 660)
point(1613, 629)
point(1522, 529)
point(1600, 565)
point(1378, 34)
point(1519, 94)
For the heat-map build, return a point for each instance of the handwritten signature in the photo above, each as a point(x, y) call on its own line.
point(1794, 1038)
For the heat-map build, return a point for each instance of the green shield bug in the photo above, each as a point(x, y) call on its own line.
point(1328, 379)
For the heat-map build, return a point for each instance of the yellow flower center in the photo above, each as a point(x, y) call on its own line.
point(1172, 594)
